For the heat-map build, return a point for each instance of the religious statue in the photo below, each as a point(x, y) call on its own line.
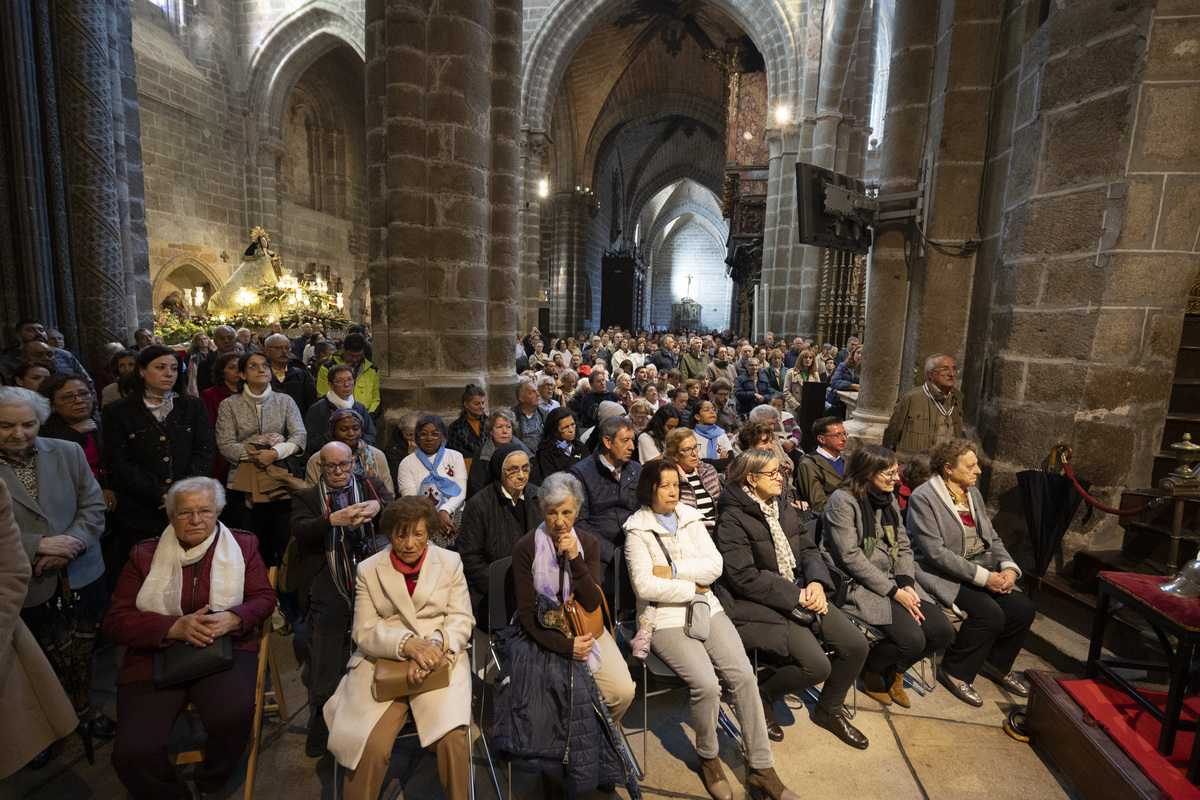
point(259, 265)
point(174, 303)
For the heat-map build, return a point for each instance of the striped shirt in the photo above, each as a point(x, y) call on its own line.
point(704, 501)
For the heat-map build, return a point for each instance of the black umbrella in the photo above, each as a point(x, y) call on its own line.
point(1050, 504)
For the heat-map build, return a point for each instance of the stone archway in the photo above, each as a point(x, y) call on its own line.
point(184, 272)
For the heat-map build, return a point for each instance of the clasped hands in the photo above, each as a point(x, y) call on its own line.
point(424, 656)
point(907, 596)
point(812, 597)
point(355, 515)
point(55, 552)
point(1001, 582)
point(200, 628)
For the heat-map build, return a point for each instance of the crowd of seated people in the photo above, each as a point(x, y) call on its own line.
point(165, 504)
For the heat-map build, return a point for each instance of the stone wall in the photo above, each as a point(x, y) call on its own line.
point(691, 248)
point(1092, 213)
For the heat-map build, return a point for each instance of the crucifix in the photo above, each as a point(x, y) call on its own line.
point(689, 289)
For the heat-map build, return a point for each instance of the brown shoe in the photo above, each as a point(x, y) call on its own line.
point(774, 732)
point(875, 688)
point(764, 784)
point(837, 724)
point(896, 690)
point(713, 776)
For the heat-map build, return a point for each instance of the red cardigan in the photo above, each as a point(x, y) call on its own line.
point(144, 632)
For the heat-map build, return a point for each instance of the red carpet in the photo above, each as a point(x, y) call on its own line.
point(1137, 732)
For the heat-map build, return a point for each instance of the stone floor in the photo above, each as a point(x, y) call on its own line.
point(939, 749)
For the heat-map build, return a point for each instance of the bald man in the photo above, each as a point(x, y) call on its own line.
point(349, 505)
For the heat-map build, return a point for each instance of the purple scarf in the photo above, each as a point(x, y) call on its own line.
point(546, 576)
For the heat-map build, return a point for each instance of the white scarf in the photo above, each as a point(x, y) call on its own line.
point(163, 409)
point(258, 399)
point(161, 592)
point(338, 402)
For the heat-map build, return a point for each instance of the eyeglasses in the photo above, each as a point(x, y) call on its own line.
point(773, 473)
point(71, 398)
point(337, 466)
point(512, 471)
point(431, 435)
point(946, 370)
point(197, 514)
point(838, 435)
point(891, 474)
point(687, 451)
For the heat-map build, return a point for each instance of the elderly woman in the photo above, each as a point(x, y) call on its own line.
point(624, 391)
point(752, 387)
point(965, 564)
point(774, 590)
point(411, 604)
point(774, 371)
point(59, 509)
point(700, 484)
point(258, 428)
point(189, 588)
point(557, 450)
point(568, 381)
point(550, 564)
point(346, 426)
point(650, 443)
point(340, 396)
point(497, 517)
point(499, 430)
point(672, 565)
point(804, 371)
point(154, 438)
point(650, 395)
point(435, 473)
point(467, 433)
point(73, 417)
point(863, 535)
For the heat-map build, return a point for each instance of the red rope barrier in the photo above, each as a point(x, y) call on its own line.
point(1120, 512)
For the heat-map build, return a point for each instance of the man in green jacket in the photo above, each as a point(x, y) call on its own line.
point(928, 414)
point(695, 361)
point(366, 377)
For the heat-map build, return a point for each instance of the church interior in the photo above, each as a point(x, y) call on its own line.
point(458, 173)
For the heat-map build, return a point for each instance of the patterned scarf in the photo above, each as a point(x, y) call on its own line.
point(783, 549)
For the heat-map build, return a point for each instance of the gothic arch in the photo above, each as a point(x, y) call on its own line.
point(289, 48)
point(666, 178)
point(560, 33)
point(185, 263)
point(701, 214)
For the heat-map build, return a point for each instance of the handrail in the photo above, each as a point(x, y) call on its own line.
point(1062, 453)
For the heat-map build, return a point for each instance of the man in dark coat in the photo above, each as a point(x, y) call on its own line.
point(301, 341)
point(288, 375)
point(589, 404)
point(665, 358)
point(348, 505)
point(609, 481)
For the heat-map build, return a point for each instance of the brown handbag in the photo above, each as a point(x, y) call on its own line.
point(580, 619)
point(391, 679)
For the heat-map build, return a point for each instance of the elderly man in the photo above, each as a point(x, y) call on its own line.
point(820, 472)
point(59, 508)
point(695, 361)
point(531, 417)
point(340, 395)
point(664, 358)
point(589, 405)
point(347, 506)
point(288, 375)
point(769, 341)
point(610, 482)
point(929, 414)
point(225, 340)
point(301, 341)
point(745, 352)
point(845, 351)
point(366, 377)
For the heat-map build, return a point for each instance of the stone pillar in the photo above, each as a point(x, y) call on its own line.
point(442, 166)
point(87, 103)
point(568, 265)
point(781, 253)
point(508, 282)
point(913, 42)
point(534, 147)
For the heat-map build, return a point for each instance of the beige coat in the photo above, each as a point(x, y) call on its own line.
point(383, 613)
point(36, 709)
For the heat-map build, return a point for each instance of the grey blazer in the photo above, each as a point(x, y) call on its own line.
point(71, 504)
point(939, 541)
point(842, 534)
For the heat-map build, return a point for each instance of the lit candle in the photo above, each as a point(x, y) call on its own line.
point(339, 300)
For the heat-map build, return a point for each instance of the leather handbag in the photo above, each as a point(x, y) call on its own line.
point(583, 621)
point(181, 662)
point(391, 679)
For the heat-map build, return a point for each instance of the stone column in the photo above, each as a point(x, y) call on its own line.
point(568, 265)
point(442, 162)
point(781, 253)
point(534, 147)
point(887, 271)
point(508, 281)
point(86, 109)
